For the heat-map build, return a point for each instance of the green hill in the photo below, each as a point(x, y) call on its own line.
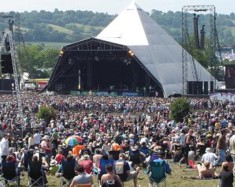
point(70, 26)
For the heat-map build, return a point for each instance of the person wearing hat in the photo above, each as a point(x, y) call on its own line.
point(53, 167)
point(209, 156)
point(46, 147)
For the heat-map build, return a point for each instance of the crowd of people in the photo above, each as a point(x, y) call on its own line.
point(115, 137)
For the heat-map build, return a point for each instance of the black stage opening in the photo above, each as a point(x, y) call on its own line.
point(110, 69)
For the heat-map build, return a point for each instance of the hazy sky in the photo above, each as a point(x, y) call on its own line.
point(111, 6)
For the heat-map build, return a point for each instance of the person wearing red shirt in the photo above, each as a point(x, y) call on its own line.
point(86, 163)
point(59, 156)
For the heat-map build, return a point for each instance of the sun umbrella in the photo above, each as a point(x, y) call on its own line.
point(71, 141)
point(79, 139)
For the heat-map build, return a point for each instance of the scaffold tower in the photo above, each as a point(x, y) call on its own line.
point(8, 45)
point(190, 20)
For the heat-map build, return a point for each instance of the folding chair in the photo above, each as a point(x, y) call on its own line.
point(65, 182)
point(68, 172)
point(9, 175)
point(35, 175)
point(36, 181)
point(11, 182)
point(157, 171)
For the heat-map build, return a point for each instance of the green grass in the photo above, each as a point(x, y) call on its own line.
point(173, 180)
point(54, 45)
point(61, 29)
point(87, 28)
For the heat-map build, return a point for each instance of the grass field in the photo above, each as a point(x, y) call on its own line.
point(51, 45)
point(173, 180)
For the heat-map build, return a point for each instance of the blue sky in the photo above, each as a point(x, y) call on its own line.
point(111, 6)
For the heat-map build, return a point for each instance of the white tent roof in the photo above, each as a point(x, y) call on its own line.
point(126, 29)
point(154, 47)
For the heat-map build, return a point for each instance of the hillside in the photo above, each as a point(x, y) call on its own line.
point(70, 26)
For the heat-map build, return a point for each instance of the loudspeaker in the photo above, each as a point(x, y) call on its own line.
point(211, 86)
point(205, 88)
point(194, 87)
point(6, 84)
point(199, 87)
point(6, 63)
point(189, 87)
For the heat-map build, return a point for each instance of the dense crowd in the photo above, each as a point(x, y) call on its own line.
point(115, 138)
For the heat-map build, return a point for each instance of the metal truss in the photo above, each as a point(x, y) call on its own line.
point(187, 11)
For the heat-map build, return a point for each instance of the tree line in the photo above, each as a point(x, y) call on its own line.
point(69, 26)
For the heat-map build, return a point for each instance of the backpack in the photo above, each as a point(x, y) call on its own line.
point(135, 156)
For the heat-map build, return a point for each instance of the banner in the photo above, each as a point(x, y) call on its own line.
point(223, 97)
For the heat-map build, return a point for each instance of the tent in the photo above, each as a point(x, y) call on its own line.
point(132, 53)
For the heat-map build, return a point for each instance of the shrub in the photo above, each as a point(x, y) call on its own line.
point(179, 109)
point(46, 113)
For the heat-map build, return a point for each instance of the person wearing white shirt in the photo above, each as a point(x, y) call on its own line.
point(37, 138)
point(30, 141)
point(209, 156)
point(232, 146)
point(4, 146)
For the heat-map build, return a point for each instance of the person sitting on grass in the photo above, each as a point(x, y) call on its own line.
point(206, 171)
point(209, 156)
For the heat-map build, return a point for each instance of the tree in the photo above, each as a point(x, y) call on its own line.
point(46, 113)
point(179, 109)
point(35, 59)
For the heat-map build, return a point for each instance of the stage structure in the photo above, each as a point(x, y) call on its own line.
point(132, 54)
point(10, 66)
point(195, 18)
point(99, 65)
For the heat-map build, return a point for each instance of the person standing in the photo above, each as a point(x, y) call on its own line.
point(232, 146)
point(4, 146)
point(30, 141)
point(37, 138)
point(221, 147)
point(189, 141)
point(46, 148)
